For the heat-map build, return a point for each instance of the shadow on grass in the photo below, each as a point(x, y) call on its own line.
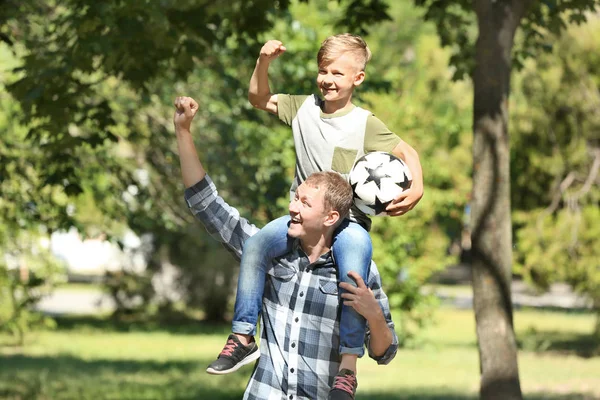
point(429, 394)
point(177, 325)
point(563, 343)
point(68, 377)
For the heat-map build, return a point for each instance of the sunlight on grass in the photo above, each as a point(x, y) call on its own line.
point(87, 361)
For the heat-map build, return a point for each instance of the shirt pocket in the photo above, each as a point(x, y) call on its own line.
point(281, 272)
point(343, 159)
point(328, 287)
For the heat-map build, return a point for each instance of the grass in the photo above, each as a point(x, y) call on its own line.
point(86, 358)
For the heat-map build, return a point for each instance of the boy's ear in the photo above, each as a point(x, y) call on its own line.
point(359, 78)
point(332, 218)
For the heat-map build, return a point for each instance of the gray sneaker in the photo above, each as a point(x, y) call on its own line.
point(233, 356)
point(344, 386)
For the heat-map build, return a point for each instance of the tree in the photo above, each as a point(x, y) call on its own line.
point(488, 59)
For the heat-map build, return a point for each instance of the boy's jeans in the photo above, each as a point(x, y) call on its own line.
point(352, 251)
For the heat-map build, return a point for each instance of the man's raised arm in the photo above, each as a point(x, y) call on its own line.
point(221, 220)
point(191, 167)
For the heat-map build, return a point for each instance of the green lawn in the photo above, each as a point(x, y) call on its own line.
point(88, 359)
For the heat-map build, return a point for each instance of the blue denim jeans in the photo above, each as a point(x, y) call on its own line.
point(352, 251)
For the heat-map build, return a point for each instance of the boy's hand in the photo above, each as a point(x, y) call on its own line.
point(271, 50)
point(405, 202)
point(185, 109)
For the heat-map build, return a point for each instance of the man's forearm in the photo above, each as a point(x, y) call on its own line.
point(381, 335)
point(259, 84)
point(192, 170)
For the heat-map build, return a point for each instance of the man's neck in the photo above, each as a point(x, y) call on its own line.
point(316, 248)
point(330, 107)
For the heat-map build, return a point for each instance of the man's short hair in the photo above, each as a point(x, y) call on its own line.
point(337, 194)
point(334, 46)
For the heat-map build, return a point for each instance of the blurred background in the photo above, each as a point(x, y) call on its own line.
point(110, 289)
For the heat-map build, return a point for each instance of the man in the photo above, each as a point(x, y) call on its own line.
point(300, 319)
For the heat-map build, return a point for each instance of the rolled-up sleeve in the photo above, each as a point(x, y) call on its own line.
point(375, 285)
point(221, 221)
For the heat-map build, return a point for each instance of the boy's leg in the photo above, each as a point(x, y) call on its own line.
point(352, 251)
point(240, 349)
point(270, 242)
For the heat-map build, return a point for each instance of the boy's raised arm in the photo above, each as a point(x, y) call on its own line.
point(259, 93)
point(191, 167)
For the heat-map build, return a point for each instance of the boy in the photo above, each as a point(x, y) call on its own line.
point(329, 134)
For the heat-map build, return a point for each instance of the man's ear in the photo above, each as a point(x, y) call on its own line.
point(332, 218)
point(359, 78)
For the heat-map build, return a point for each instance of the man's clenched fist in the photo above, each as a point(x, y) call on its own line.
point(185, 109)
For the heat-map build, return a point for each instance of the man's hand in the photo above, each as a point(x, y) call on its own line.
point(185, 109)
point(360, 297)
point(271, 50)
point(405, 202)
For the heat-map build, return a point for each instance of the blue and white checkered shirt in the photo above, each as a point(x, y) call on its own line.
point(300, 313)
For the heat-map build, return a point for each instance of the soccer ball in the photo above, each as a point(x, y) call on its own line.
point(377, 178)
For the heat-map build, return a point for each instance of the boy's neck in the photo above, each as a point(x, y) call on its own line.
point(330, 107)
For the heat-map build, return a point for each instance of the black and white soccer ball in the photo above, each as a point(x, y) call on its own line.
point(377, 178)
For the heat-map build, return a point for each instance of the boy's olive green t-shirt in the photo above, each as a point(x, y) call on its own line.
point(331, 142)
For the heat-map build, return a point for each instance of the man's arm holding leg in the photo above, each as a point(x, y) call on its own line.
point(382, 340)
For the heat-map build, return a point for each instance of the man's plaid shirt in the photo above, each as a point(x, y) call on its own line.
point(300, 315)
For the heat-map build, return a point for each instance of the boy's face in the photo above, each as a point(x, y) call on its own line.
point(337, 80)
point(309, 219)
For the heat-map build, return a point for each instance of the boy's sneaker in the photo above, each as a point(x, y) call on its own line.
point(344, 386)
point(233, 356)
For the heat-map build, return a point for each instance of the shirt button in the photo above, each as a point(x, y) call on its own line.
point(296, 319)
point(291, 396)
point(293, 345)
point(292, 370)
point(301, 294)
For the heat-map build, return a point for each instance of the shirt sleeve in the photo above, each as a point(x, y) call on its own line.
point(288, 105)
point(375, 285)
point(222, 221)
point(378, 137)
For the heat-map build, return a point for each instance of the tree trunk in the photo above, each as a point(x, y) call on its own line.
point(491, 236)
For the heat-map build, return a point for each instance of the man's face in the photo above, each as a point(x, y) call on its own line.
point(337, 80)
point(307, 212)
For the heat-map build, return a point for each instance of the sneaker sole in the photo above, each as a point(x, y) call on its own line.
point(249, 358)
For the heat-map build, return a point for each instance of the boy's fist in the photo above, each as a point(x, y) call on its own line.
point(185, 109)
point(271, 50)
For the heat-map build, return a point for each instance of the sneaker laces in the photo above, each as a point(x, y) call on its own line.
point(346, 382)
point(229, 348)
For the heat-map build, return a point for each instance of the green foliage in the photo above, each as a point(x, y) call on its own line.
point(555, 162)
point(88, 141)
point(110, 91)
point(27, 273)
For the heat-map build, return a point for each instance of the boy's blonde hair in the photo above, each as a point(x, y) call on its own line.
point(334, 46)
point(337, 195)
